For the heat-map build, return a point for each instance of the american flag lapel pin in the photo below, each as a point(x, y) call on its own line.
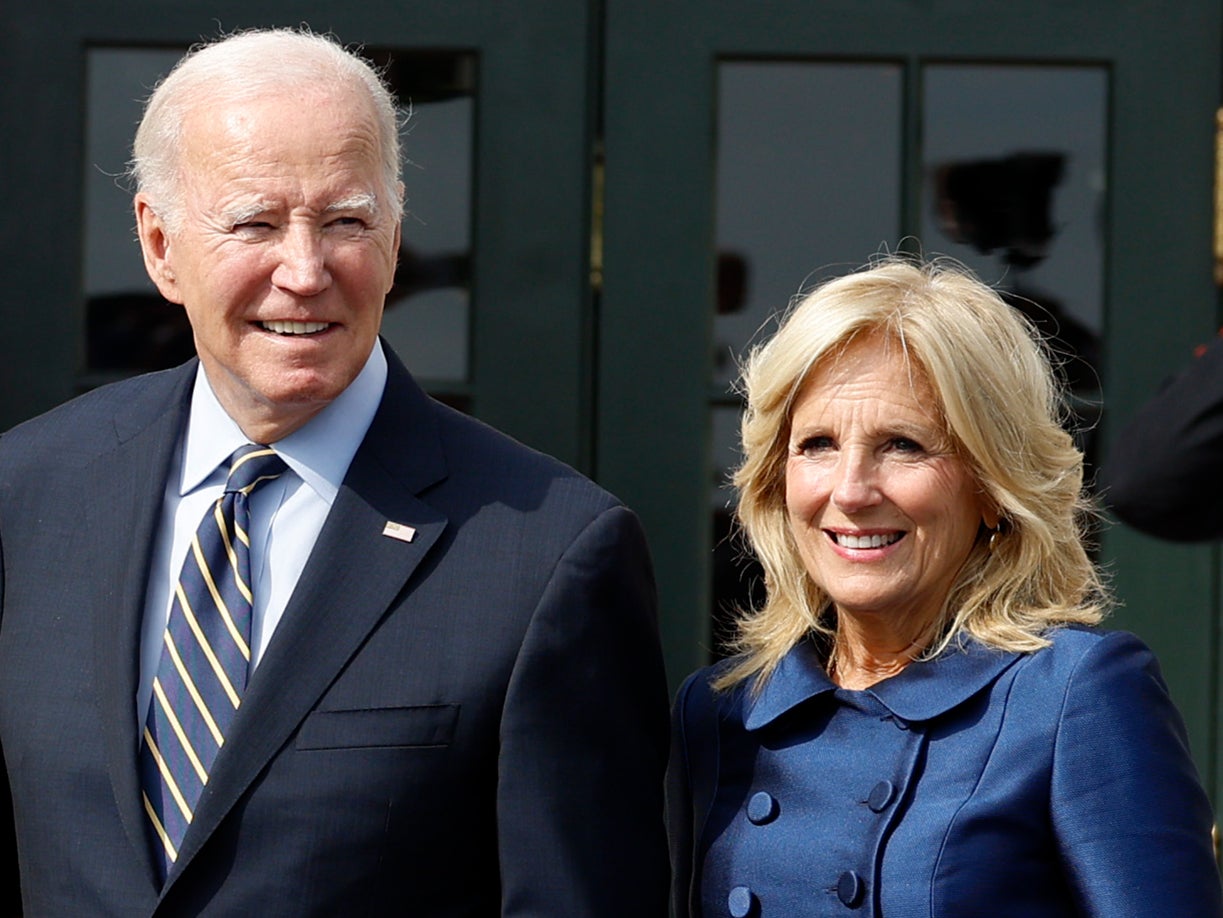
point(398, 531)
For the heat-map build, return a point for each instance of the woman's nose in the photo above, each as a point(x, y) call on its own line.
point(856, 481)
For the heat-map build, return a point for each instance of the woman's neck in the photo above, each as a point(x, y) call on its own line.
point(869, 649)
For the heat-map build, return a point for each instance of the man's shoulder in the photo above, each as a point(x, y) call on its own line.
point(473, 461)
point(480, 453)
point(94, 419)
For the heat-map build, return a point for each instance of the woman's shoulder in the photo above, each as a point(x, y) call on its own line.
point(1106, 661)
point(1072, 645)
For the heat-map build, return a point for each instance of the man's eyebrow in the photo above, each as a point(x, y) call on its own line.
point(361, 201)
point(240, 213)
point(248, 210)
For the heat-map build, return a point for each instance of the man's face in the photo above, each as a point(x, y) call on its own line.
point(285, 252)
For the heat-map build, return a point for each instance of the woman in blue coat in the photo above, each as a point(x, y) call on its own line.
point(923, 718)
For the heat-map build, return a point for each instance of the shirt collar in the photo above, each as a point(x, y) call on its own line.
point(319, 452)
point(921, 691)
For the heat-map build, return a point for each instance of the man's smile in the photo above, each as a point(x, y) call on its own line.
point(283, 327)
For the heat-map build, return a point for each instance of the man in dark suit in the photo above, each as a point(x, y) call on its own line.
point(1162, 474)
point(451, 699)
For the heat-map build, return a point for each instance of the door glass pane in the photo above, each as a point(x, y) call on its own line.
point(129, 328)
point(429, 311)
point(1014, 161)
point(808, 185)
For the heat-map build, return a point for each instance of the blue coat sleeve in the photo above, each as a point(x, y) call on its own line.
point(679, 810)
point(1132, 821)
point(692, 782)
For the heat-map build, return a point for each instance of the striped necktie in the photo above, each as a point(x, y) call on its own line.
point(204, 657)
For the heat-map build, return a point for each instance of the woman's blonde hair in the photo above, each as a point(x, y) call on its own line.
point(1002, 409)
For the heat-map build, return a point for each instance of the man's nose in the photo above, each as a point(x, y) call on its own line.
point(302, 263)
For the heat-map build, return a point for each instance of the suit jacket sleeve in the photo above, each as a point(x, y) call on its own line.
point(10, 889)
point(584, 739)
point(1132, 821)
point(1162, 475)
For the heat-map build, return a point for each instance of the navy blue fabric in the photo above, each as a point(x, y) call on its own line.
point(983, 783)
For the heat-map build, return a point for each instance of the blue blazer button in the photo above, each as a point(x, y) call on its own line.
point(741, 902)
point(850, 889)
point(762, 808)
point(881, 795)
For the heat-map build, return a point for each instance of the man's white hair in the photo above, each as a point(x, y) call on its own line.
point(241, 66)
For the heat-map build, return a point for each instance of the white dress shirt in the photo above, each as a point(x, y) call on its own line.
point(286, 514)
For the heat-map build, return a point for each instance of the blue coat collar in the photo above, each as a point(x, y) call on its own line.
point(922, 691)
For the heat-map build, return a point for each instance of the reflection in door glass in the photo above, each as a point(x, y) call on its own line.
point(129, 328)
point(808, 186)
point(428, 311)
point(1014, 163)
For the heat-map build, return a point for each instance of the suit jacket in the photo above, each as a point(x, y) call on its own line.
point(470, 723)
point(1055, 783)
point(1162, 475)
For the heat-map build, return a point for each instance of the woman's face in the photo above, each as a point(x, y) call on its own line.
point(883, 511)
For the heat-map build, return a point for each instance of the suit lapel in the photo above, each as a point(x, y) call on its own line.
point(125, 488)
point(354, 574)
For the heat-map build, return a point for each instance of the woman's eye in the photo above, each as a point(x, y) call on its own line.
point(905, 445)
point(814, 444)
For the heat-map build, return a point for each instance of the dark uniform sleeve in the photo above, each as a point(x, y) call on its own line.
point(1164, 474)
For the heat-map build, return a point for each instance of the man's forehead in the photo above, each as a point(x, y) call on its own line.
point(282, 121)
point(261, 151)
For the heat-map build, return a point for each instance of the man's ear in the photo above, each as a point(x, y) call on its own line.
point(156, 248)
point(398, 240)
point(395, 255)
